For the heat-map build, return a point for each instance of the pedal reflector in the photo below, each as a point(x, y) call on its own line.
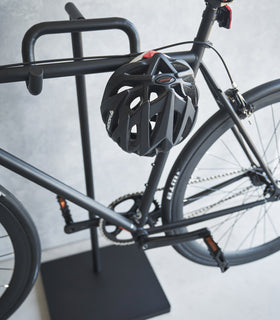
point(216, 253)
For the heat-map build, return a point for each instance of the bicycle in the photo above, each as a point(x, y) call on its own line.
point(201, 218)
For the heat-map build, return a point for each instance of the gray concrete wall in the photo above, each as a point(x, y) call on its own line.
point(44, 130)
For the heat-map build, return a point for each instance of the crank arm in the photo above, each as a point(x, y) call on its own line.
point(79, 226)
point(213, 248)
point(156, 242)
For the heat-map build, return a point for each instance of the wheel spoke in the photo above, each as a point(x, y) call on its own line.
point(217, 226)
point(273, 160)
point(274, 135)
point(254, 227)
point(230, 229)
point(4, 286)
point(259, 135)
point(236, 217)
point(231, 153)
point(224, 160)
point(215, 169)
point(273, 225)
point(255, 231)
point(239, 216)
point(7, 254)
point(6, 269)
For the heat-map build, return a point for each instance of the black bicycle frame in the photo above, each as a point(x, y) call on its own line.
point(34, 75)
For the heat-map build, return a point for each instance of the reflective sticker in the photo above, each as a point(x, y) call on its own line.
point(172, 185)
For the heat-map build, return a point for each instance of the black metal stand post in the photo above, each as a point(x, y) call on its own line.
point(127, 288)
point(77, 45)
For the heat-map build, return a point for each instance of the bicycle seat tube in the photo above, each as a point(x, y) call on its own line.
point(208, 19)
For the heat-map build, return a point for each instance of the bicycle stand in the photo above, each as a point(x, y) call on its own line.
point(125, 287)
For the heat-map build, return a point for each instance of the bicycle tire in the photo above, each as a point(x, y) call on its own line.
point(20, 236)
point(191, 159)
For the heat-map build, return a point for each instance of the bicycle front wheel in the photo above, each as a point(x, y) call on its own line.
point(214, 174)
point(19, 253)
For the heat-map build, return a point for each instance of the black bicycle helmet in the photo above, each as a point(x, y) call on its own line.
point(150, 104)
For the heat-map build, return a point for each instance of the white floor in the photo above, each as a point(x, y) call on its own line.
point(195, 292)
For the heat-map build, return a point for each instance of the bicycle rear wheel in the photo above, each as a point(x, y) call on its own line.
point(19, 253)
point(213, 173)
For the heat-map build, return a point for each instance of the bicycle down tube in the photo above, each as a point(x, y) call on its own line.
point(39, 177)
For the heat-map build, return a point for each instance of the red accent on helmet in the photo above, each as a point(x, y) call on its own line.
point(229, 9)
point(149, 54)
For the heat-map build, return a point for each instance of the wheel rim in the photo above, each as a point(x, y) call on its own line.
point(239, 234)
point(7, 260)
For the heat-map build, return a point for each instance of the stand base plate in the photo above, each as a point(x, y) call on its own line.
point(126, 288)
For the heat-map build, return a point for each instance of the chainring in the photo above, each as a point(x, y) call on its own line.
point(131, 211)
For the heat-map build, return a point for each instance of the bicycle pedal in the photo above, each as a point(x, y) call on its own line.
point(216, 253)
point(65, 210)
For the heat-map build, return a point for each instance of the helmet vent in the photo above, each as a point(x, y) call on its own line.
point(135, 103)
point(152, 124)
point(179, 91)
point(153, 121)
point(133, 132)
point(134, 129)
point(121, 89)
point(153, 96)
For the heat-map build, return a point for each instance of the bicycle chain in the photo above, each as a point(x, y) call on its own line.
point(193, 214)
point(206, 208)
point(115, 242)
point(218, 176)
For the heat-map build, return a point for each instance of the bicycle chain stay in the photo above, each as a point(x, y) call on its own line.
point(193, 214)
